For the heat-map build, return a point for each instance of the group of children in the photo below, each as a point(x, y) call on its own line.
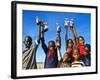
point(74, 56)
point(77, 56)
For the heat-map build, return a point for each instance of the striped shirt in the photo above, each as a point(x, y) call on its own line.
point(77, 64)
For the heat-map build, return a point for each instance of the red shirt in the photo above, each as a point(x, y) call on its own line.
point(69, 50)
point(81, 49)
point(51, 53)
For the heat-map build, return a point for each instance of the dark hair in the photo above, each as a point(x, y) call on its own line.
point(70, 40)
point(81, 37)
point(53, 42)
point(88, 46)
point(29, 38)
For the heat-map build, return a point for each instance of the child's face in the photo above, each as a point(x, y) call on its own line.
point(87, 52)
point(81, 41)
point(51, 46)
point(70, 43)
point(27, 42)
point(65, 57)
point(75, 54)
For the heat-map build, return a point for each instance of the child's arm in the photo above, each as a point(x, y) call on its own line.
point(59, 54)
point(74, 33)
point(37, 42)
point(44, 46)
point(58, 45)
point(66, 28)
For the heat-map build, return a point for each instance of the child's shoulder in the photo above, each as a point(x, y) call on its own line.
point(81, 61)
point(78, 63)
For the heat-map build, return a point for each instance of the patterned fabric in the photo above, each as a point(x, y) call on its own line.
point(29, 58)
point(77, 64)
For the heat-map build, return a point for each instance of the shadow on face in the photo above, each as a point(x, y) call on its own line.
point(87, 50)
point(75, 54)
point(70, 43)
point(81, 40)
point(28, 41)
point(51, 45)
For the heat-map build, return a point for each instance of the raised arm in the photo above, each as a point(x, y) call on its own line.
point(74, 33)
point(66, 34)
point(58, 43)
point(44, 46)
point(37, 42)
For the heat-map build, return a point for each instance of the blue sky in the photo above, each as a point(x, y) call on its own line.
point(82, 24)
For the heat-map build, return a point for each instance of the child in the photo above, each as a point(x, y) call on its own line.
point(70, 48)
point(81, 45)
point(66, 61)
point(29, 53)
point(76, 59)
point(87, 55)
point(51, 60)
